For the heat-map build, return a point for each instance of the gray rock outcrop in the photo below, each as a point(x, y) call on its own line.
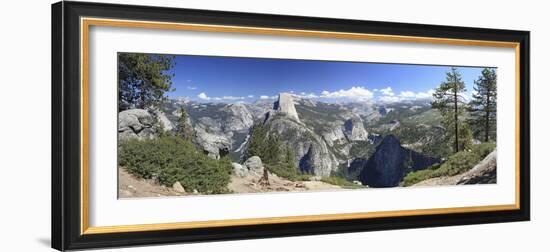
point(178, 187)
point(285, 105)
point(167, 125)
point(219, 128)
point(240, 170)
point(239, 119)
point(135, 124)
point(215, 145)
point(254, 164)
point(391, 162)
point(334, 134)
point(483, 173)
point(355, 130)
point(312, 153)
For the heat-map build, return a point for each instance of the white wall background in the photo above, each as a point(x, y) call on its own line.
point(25, 125)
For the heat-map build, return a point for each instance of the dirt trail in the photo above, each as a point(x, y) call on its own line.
point(130, 186)
point(249, 184)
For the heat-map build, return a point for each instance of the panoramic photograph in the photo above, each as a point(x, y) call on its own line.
point(204, 125)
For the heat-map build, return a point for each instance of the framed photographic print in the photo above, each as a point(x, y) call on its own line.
point(180, 125)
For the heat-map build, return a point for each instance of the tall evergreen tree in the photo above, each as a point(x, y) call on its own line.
point(273, 152)
point(143, 79)
point(483, 106)
point(183, 128)
point(289, 159)
point(449, 101)
point(258, 142)
point(269, 147)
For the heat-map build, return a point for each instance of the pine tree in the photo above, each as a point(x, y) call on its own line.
point(273, 152)
point(465, 136)
point(449, 101)
point(183, 129)
point(143, 79)
point(483, 106)
point(269, 147)
point(258, 142)
point(289, 158)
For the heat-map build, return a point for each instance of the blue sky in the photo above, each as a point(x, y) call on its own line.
point(233, 79)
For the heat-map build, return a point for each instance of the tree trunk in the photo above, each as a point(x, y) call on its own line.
point(487, 114)
point(456, 118)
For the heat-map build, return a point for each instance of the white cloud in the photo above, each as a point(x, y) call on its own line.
point(191, 87)
point(387, 91)
point(306, 95)
point(251, 96)
point(203, 96)
point(265, 97)
point(389, 99)
point(407, 94)
point(232, 98)
point(354, 93)
point(424, 95)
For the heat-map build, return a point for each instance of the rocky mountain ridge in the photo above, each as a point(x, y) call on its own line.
point(391, 162)
point(325, 137)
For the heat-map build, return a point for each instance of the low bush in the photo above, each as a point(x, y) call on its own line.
point(417, 176)
point(287, 172)
point(170, 159)
point(455, 164)
point(340, 182)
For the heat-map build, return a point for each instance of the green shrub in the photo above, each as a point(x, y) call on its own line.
point(303, 177)
point(170, 159)
point(484, 149)
point(458, 163)
point(285, 171)
point(339, 182)
point(417, 176)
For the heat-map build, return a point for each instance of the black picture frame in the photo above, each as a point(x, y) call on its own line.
point(66, 125)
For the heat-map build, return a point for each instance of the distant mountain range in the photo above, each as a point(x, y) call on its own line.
point(326, 137)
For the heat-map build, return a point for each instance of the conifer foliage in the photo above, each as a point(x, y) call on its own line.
point(143, 79)
point(483, 106)
point(449, 100)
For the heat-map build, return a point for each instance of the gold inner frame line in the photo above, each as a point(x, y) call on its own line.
point(85, 24)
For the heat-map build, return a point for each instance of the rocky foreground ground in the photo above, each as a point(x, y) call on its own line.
point(130, 186)
point(249, 177)
point(133, 187)
point(483, 173)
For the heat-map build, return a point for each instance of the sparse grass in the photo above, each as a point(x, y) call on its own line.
point(333, 180)
point(456, 164)
point(286, 172)
point(418, 176)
